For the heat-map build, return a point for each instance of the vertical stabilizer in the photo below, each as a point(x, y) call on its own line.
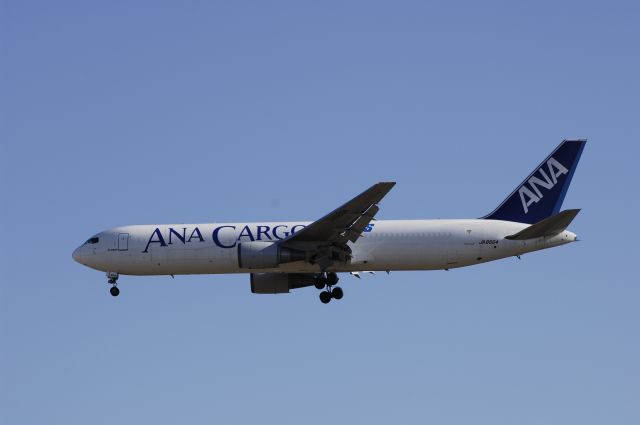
point(540, 195)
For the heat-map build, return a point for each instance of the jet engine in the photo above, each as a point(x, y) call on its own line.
point(279, 283)
point(265, 255)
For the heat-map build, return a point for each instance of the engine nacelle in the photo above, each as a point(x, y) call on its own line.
point(278, 283)
point(265, 255)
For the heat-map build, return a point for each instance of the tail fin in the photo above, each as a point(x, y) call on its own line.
point(541, 194)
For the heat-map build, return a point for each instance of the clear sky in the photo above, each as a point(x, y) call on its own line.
point(126, 112)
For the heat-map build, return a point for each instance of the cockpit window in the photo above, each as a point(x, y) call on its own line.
point(93, 240)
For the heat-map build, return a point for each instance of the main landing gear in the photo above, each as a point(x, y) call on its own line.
point(328, 280)
point(113, 281)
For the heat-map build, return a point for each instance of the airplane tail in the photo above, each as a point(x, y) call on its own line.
point(540, 195)
point(548, 227)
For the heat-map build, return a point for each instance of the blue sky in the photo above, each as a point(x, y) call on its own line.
point(157, 112)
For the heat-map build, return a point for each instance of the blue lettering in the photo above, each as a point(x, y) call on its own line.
point(216, 236)
point(197, 234)
point(295, 228)
point(246, 232)
point(160, 240)
point(279, 236)
point(262, 230)
point(178, 235)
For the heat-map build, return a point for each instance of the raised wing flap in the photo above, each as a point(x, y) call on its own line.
point(357, 227)
point(371, 212)
point(548, 227)
point(346, 222)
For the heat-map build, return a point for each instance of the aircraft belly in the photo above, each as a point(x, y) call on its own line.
point(406, 254)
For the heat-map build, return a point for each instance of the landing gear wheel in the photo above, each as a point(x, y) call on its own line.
point(114, 291)
point(320, 283)
point(337, 293)
point(332, 279)
point(325, 297)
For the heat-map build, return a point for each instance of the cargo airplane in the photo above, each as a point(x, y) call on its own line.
point(281, 256)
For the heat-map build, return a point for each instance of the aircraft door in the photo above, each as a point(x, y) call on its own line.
point(123, 242)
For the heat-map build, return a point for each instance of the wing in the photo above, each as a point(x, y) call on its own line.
point(325, 240)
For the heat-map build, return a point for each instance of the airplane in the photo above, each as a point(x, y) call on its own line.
point(282, 256)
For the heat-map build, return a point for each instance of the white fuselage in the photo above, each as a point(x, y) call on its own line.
point(386, 245)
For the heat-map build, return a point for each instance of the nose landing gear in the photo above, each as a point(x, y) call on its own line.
point(113, 281)
point(328, 280)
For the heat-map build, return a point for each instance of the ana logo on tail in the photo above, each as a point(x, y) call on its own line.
point(532, 194)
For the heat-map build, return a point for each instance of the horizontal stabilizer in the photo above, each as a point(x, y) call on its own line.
point(548, 227)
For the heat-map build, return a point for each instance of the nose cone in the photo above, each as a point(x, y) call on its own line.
point(77, 255)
